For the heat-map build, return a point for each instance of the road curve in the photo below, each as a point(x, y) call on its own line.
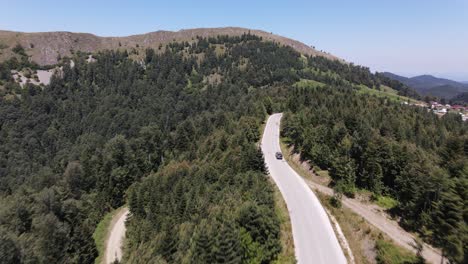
point(314, 238)
point(116, 237)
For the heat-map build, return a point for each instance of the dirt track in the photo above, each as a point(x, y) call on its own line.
point(116, 236)
point(378, 218)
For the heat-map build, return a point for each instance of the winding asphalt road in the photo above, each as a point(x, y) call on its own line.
point(314, 238)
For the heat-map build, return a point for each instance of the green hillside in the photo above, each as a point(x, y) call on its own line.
point(175, 135)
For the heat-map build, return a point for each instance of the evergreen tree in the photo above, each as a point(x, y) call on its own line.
point(9, 251)
point(227, 246)
point(448, 219)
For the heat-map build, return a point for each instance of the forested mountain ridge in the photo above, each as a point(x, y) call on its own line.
point(46, 47)
point(174, 135)
point(180, 129)
point(432, 86)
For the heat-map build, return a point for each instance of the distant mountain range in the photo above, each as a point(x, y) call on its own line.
point(433, 86)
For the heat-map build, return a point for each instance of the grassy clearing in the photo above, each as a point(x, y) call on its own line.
point(101, 232)
point(387, 252)
point(385, 201)
point(388, 90)
point(385, 92)
point(323, 173)
point(305, 83)
point(322, 73)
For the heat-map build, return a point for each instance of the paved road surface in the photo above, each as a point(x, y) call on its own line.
point(116, 237)
point(314, 238)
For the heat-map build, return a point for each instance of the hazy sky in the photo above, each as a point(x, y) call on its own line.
point(407, 37)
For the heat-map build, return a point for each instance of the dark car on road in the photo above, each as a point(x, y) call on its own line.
point(279, 155)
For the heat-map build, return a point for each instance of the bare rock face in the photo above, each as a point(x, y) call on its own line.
point(45, 48)
point(40, 76)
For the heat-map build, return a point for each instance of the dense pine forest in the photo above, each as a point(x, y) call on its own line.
point(407, 153)
point(173, 133)
point(181, 126)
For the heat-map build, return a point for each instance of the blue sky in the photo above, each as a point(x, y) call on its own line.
point(406, 37)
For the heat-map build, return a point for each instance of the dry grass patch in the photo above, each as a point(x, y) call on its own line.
point(357, 231)
point(367, 243)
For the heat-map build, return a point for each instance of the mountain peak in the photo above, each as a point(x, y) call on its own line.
point(45, 47)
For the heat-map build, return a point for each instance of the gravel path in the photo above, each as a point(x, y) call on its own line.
point(378, 218)
point(116, 237)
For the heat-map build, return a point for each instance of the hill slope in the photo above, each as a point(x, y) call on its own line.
point(430, 85)
point(461, 98)
point(176, 139)
point(45, 47)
